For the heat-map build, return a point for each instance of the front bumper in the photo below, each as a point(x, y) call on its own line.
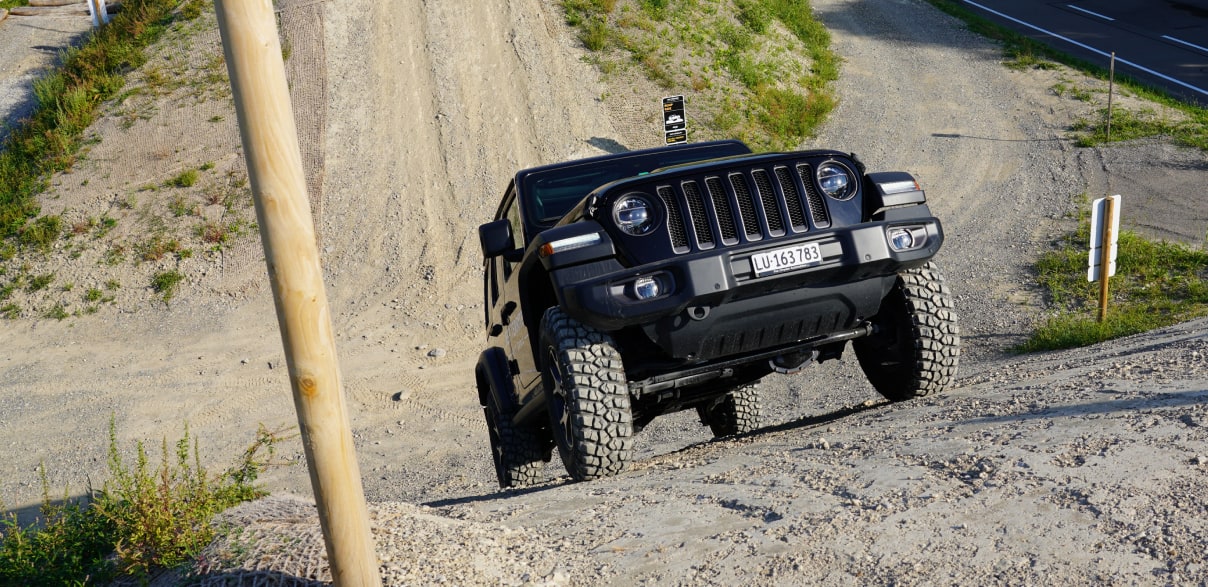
point(714, 305)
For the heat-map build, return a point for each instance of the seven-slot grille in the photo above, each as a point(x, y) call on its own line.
point(750, 205)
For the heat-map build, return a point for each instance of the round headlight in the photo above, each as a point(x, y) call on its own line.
point(836, 181)
point(634, 214)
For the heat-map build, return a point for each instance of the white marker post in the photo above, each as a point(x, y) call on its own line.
point(1105, 228)
point(98, 11)
point(274, 164)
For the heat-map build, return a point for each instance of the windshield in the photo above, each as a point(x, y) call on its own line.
point(555, 191)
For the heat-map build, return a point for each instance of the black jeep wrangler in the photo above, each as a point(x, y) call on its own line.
point(622, 287)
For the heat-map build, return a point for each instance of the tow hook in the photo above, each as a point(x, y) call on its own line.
point(793, 362)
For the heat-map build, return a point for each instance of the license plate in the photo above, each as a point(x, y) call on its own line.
point(786, 259)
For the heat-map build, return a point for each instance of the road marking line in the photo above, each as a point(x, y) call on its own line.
point(1192, 45)
point(1091, 13)
point(1172, 80)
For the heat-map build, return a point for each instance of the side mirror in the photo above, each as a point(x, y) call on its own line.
point(496, 238)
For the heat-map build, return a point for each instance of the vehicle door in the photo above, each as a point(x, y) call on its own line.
point(503, 291)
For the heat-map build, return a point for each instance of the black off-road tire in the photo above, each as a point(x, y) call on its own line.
point(737, 412)
point(516, 451)
point(916, 347)
point(589, 407)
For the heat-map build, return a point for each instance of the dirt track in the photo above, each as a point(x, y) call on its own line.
point(1075, 467)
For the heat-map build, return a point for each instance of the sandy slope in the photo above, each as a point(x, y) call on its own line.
point(1064, 468)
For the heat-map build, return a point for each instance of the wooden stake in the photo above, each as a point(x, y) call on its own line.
point(274, 161)
point(1105, 255)
point(1111, 87)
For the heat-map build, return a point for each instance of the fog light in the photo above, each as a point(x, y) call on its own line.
point(645, 288)
point(901, 239)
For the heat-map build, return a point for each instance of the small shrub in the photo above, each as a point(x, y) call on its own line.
point(215, 233)
point(41, 233)
point(92, 295)
point(39, 282)
point(180, 206)
point(68, 546)
point(107, 223)
point(656, 9)
point(164, 283)
point(82, 226)
point(142, 519)
point(10, 311)
point(754, 15)
point(192, 9)
point(186, 179)
point(56, 312)
point(114, 255)
point(156, 247)
point(595, 35)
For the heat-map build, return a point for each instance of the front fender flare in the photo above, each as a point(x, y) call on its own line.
point(494, 381)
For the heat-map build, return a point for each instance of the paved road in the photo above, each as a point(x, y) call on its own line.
point(1160, 42)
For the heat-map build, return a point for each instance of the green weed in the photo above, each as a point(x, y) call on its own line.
point(56, 312)
point(186, 179)
point(164, 283)
point(143, 518)
point(39, 282)
point(1127, 125)
point(156, 248)
point(41, 233)
point(180, 206)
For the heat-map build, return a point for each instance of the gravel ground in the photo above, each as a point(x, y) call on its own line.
point(1077, 467)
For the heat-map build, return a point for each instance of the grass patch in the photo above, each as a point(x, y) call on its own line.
point(39, 282)
point(156, 248)
point(757, 70)
point(56, 312)
point(1156, 284)
point(143, 519)
point(40, 234)
point(67, 102)
point(1127, 125)
point(1023, 53)
point(164, 283)
point(187, 178)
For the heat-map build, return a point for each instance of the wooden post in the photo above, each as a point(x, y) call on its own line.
point(274, 162)
point(1111, 89)
point(1105, 258)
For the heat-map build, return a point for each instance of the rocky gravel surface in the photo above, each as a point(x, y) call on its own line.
point(1076, 467)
